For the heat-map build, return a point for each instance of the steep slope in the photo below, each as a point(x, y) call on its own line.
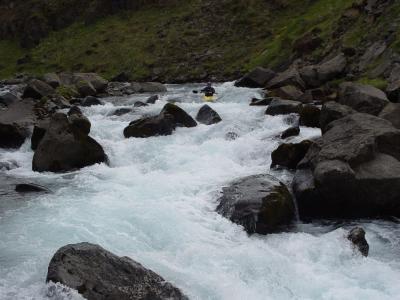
point(201, 39)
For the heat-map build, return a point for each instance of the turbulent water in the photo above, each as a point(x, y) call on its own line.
point(156, 203)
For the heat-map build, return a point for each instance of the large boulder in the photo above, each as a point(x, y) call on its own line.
point(257, 78)
point(362, 98)
point(287, 92)
point(52, 79)
point(289, 77)
point(391, 112)
point(39, 131)
point(66, 147)
point(90, 101)
point(208, 116)
point(12, 135)
point(310, 116)
point(261, 204)
point(165, 123)
point(315, 76)
point(352, 171)
point(283, 107)
point(37, 89)
point(7, 99)
point(332, 111)
point(152, 99)
point(93, 79)
point(289, 155)
point(98, 274)
point(85, 88)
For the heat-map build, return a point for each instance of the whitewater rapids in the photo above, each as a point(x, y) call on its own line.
point(156, 204)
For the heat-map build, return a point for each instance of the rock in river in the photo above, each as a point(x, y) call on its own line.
point(261, 204)
point(101, 275)
point(208, 116)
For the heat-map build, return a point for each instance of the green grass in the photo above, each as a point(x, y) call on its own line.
point(379, 83)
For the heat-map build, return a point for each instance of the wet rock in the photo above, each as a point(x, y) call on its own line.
point(289, 155)
point(80, 123)
point(362, 98)
point(8, 98)
point(39, 130)
point(292, 131)
point(310, 116)
point(74, 110)
point(315, 76)
point(140, 104)
point(260, 102)
point(289, 92)
point(99, 275)
point(148, 87)
point(12, 135)
point(282, 107)
point(357, 237)
point(8, 165)
point(289, 77)
point(52, 79)
point(152, 99)
point(65, 148)
point(352, 171)
point(30, 188)
point(231, 136)
point(391, 112)
point(332, 111)
point(37, 89)
point(85, 88)
point(165, 123)
point(121, 111)
point(90, 101)
point(257, 78)
point(208, 116)
point(261, 204)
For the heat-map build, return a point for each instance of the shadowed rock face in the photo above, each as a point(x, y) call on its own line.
point(257, 78)
point(66, 146)
point(352, 171)
point(12, 135)
point(261, 204)
point(283, 107)
point(289, 155)
point(101, 275)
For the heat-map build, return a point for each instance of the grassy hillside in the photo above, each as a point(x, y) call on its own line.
point(198, 39)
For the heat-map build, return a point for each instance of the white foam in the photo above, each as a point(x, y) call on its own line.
point(156, 204)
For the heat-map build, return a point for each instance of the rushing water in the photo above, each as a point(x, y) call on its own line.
point(156, 203)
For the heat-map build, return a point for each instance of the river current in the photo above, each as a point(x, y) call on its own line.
point(156, 203)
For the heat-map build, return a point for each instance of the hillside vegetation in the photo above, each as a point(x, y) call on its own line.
point(193, 39)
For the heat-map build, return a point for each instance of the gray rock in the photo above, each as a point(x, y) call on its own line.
point(99, 275)
point(315, 76)
point(152, 99)
point(352, 171)
point(39, 131)
point(282, 107)
point(288, 77)
point(289, 155)
point(80, 123)
point(37, 89)
point(310, 116)
point(261, 204)
point(95, 80)
point(65, 148)
point(74, 110)
point(208, 116)
point(8, 98)
point(393, 91)
point(362, 98)
point(357, 237)
point(391, 112)
point(85, 88)
point(260, 102)
point(52, 79)
point(122, 111)
point(289, 92)
point(292, 131)
point(165, 123)
point(147, 87)
point(12, 135)
point(140, 104)
point(257, 78)
point(90, 101)
point(332, 111)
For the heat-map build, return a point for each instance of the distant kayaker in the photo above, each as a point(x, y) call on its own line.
point(208, 91)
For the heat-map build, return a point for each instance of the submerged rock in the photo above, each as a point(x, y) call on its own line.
point(357, 237)
point(292, 131)
point(65, 147)
point(140, 104)
point(208, 116)
point(121, 111)
point(261, 204)
point(99, 275)
point(30, 188)
point(165, 123)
